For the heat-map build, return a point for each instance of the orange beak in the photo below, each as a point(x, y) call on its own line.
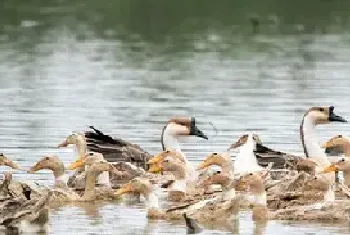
point(155, 160)
point(77, 164)
point(125, 189)
point(328, 144)
point(330, 168)
point(155, 168)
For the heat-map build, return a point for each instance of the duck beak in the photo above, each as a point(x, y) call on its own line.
point(333, 117)
point(204, 165)
point(233, 146)
point(34, 168)
point(199, 133)
point(63, 144)
point(328, 144)
point(11, 164)
point(125, 189)
point(154, 160)
point(155, 168)
point(330, 168)
point(77, 164)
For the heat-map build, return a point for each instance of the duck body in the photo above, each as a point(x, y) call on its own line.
point(18, 206)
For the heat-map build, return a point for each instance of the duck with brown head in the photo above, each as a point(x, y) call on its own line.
point(174, 166)
point(78, 140)
point(339, 142)
point(5, 161)
point(54, 164)
point(313, 117)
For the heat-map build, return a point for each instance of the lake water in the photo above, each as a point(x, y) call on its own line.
point(126, 67)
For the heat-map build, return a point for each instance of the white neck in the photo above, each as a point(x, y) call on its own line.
point(170, 140)
point(103, 179)
point(80, 147)
point(329, 196)
point(179, 185)
point(152, 201)
point(245, 161)
point(260, 198)
point(229, 194)
point(311, 143)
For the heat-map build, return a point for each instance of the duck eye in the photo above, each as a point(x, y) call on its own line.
point(250, 174)
point(343, 159)
point(340, 136)
point(91, 154)
point(215, 154)
point(168, 151)
point(47, 158)
point(321, 109)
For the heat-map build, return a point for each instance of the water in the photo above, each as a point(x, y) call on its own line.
point(128, 66)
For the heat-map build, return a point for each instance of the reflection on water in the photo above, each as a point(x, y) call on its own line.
point(127, 66)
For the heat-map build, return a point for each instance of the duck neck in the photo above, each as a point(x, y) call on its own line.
point(90, 179)
point(170, 141)
point(260, 198)
point(229, 193)
point(81, 147)
point(103, 179)
point(61, 178)
point(246, 160)
point(310, 142)
point(152, 200)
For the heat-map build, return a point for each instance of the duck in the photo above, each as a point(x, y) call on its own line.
point(122, 171)
point(202, 211)
point(341, 165)
point(172, 165)
point(337, 146)
point(340, 143)
point(313, 117)
point(254, 184)
point(245, 161)
point(16, 212)
point(94, 166)
point(118, 150)
point(54, 164)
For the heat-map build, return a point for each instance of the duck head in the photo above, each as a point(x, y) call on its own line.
point(137, 185)
point(341, 165)
point(217, 178)
point(47, 162)
point(5, 161)
point(337, 142)
point(74, 138)
point(87, 160)
point(323, 115)
point(162, 155)
point(169, 164)
point(252, 182)
point(184, 126)
point(217, 159)
point(243, 140)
